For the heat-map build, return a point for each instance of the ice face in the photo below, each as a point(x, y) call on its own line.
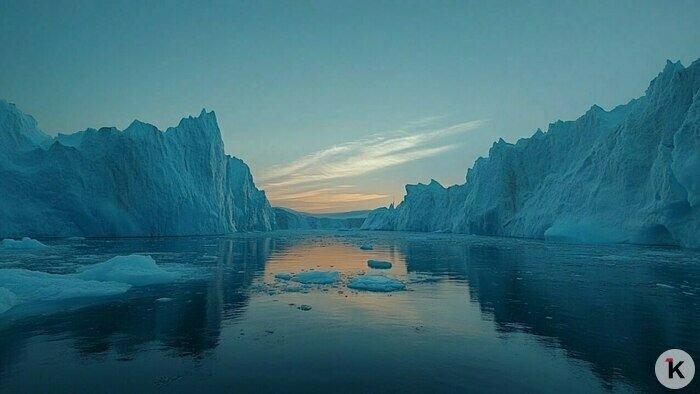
point(377, 283)
point(137, 182)
point(631, 174)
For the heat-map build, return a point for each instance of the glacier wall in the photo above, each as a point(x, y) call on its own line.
point(137, 182)
point(629, 175)
point(289, 219)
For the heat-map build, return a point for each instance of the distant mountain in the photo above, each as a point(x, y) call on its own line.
point(289, 219)
point(631, 174)
point(137, 182)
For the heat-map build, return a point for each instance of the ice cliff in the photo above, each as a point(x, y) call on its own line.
point(631, 174)
point(137, 182)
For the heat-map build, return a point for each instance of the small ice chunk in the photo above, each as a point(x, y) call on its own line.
point(25, 243)
point(379, 283)
point(283, 276)
point(378, 264)
point(317, 277)
point(366, 246)
point(136, 270)
point(304, 307)
point(164, 299)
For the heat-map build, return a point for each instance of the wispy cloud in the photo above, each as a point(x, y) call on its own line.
point(363, 156)
point(310, 180)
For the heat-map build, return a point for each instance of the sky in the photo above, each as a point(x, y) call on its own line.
point(336, 105)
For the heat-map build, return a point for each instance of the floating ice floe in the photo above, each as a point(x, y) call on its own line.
point(317, 277)
point(20, 286)
point(112, 277)
point(378, 264)
point(366, 246)
point(25, 243)
point(379, 283)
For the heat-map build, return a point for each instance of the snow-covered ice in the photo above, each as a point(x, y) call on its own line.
point(317, 277)
point(25, 243)
point(378, 283)
point(378, 264)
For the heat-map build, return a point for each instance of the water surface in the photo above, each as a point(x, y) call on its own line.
point(478, 314)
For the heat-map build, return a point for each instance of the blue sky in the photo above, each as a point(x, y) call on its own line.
point(336, 105)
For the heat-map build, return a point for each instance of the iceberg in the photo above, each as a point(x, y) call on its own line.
point(24, 244)
point(317, 277)
point(378, 264)
point(135, 270)
point(377, 283)
point(111, 183)
point(628, 175)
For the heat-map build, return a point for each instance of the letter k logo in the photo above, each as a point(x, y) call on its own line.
point(672, 369)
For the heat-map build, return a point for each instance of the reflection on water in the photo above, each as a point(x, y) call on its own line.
point(480, 314)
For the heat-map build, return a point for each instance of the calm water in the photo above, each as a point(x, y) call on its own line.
point(479, 314)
